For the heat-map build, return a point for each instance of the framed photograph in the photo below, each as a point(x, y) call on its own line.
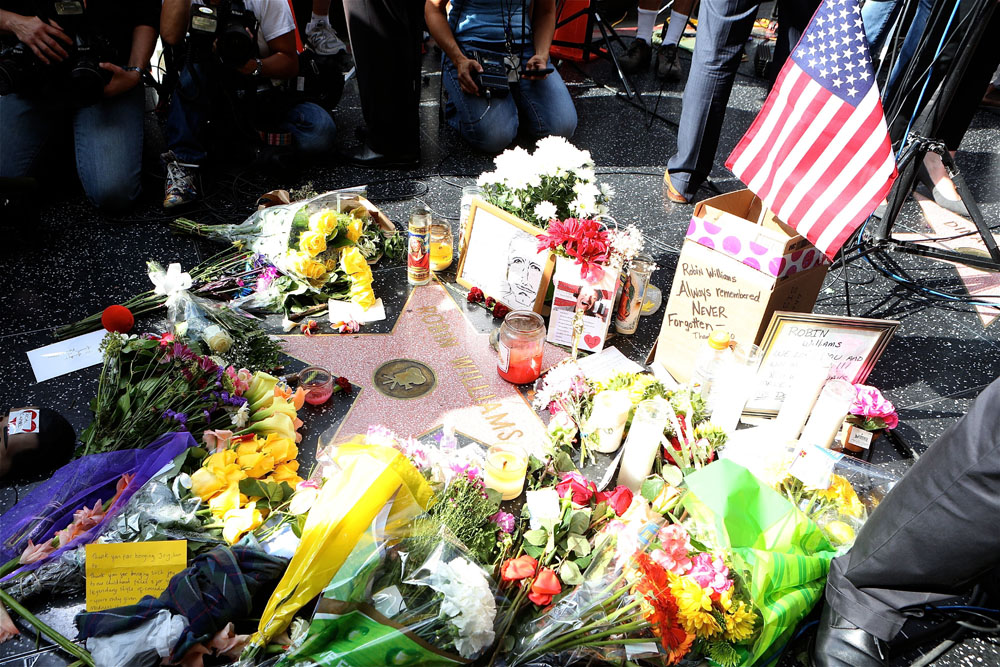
point(500, 256)
point(852, 344)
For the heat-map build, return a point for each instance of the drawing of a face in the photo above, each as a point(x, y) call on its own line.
point(524, 272)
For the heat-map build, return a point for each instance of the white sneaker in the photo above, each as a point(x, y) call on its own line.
point(323, 39)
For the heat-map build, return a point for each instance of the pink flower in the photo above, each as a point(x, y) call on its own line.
point(583, 240)
point(871, 404)
point(577, 487)
point(88, 517)
point(32, 554)
point(227, 643)
point(675, 544)
point(7, 627)
point(217, 440)
point(710, 573)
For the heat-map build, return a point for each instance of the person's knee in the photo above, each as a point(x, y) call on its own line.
point(490, 137)
point(113, 196)
point(315, 130)
point(563, 124)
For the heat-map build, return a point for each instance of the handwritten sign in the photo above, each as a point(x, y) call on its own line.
point(66, 356)
point(794, 340)
point(122, 574)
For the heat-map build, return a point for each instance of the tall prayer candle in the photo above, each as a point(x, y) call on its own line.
point(828, 414)
point(801, 396)
point(604, 428)
point(643, 442)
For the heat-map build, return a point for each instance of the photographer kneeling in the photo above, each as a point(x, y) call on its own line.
point(77, 63)
point(239, 58)
point(497, 33)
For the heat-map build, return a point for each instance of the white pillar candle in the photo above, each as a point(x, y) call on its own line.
point(738, 376)
point(604, 428)
point(828, 414)
point(643, 442)
point(802, 394)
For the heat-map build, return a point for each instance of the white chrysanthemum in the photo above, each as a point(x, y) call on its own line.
point(543, 508)
point(545, 211)
point(583, 206)
point(468, 604)
point(607, 191)
point(513, 163)
point(516, 202)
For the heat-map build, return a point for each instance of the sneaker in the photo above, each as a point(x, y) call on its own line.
point(180, 187)
point(323, 40)
point(637, 57)
point(668, 66)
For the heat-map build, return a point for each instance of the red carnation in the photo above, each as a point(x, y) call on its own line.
point(475, 295)
point(490, 302)
point(118, 319)
point(500, 311)
point(344, 384)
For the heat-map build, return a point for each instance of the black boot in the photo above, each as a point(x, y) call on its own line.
point(637, 57)
point(667, 65)
point(840, 643)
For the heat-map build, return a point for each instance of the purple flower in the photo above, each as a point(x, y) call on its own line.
point(168, 414)
point(206, 364)
point(208, 415)
point(504, 520)
point(266, 277)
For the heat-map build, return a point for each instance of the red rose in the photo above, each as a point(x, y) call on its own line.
point(344, 384)
point(118, 319)
point(515, 569)
point(490, 302)
point(545, 586)
point(618, 499)
point(500, 311)
point(577, 487)
point(475, 295)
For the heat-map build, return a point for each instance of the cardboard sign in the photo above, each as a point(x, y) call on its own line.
point(123, 574)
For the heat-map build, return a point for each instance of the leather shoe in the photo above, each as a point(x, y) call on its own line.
point(668, 66)
point(672, 193)
point(840, 643)
point(637, 56)
point(956, 206)
point(364, 156)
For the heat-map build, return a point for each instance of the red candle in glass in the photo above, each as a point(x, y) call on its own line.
point(318, 384)
point(522, 337)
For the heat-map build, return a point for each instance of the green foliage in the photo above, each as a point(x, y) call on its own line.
point(723, 654)
point(465, 510)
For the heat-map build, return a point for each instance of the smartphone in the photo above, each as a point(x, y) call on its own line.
point(536, 73)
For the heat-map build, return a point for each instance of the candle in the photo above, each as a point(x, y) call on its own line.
point(603, 429)
point(828, 414)
point(506, 467)
point(800, 398)
point(734, 386)
point(520, 346)
point(317, 383)
point(643, 442)
point(441, 256)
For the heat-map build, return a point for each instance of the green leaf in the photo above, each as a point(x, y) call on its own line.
point(570, 574)
point(494, 497)
point(532, 550)
point(579, 521)
point(123, 403)
point(583, 563)
point(651, 488)
point(578, 544)
point(563, 462)
point(536, 537)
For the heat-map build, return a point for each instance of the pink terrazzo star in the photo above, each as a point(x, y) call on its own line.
point(468, 394)
point(979, 283)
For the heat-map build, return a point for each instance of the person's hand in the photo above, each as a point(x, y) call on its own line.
point(537, 61)
point(465, 68)
point(43, 38)
point(249, 67)
point(122, 80)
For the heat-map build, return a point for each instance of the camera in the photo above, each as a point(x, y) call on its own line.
point(228, 28)
point(494, 79)
point(20, 69)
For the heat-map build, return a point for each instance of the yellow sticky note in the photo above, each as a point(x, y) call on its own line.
point(122, 574)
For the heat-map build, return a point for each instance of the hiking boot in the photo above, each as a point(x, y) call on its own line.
point(323, 39)
point(668, 66)
point(637, 57)
point(180, 186)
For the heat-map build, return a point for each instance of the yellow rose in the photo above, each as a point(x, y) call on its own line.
point(256, 465)
point(363, 295)
point(282, 449)
point(354, 229)
point(286, 472)
point(312, 242)
point(323, 222)
point(239, 521)
point(246, 448)
point(311, 269)
point(220, 460)
point(226, 501)
point(331, 265)
point(352, 261)
point(204, 483)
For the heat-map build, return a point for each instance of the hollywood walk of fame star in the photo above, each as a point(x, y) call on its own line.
point(443, 371)
point(983, 285)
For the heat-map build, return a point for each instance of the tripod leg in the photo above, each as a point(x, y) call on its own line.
point(611, 52)
point(906, 163)
point(970, 202)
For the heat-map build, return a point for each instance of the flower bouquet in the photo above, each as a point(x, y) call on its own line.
point(870, 414)
point(557, 181)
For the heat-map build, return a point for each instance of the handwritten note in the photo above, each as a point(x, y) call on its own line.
point(122, 574)
point(66, 356)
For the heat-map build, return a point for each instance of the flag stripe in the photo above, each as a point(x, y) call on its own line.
point(768, 120)
point(787, 123)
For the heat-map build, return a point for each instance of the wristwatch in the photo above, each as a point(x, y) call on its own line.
point(260, 67)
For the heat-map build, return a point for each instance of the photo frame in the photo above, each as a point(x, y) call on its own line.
point(500, 257)
point(853, 344)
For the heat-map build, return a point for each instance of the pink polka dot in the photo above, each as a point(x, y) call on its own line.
point(692, 227)
point(707, 241)
point(776, 265)
point(757, 248)
point(808, 259)
point(792, 271)
point(712, 229)
point(732, 245)
point(752, 263)
point(796, 255)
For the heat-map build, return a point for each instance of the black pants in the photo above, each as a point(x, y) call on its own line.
point(935, 534)
point(385, 38)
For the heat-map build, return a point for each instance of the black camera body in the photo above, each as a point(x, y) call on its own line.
point(493, 80)
point(80, 72)
point(228, 29)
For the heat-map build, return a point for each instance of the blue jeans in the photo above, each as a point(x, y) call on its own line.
point(491, 125)
point(879, 17)
point(191, 106)
point(107, 138)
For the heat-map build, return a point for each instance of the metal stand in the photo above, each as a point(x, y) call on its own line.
point(591, 48)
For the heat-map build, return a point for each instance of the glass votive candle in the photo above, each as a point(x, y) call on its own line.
point(469, 192)
point(505, 469)
point(442, 247)
point(643, 442)
point(317, 383)
point(520, 346)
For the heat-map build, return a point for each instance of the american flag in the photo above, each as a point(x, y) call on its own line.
point(818, 154)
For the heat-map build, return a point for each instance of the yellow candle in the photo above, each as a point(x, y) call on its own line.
point(441, 256)
point(506, 467)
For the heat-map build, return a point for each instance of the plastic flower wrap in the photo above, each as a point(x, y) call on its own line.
point(871, 411)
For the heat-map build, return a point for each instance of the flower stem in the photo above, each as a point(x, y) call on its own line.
point(81, 654)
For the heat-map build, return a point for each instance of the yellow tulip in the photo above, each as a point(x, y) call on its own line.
point(352, 261)
point(237, 522)
point(312, 242)
point(226, 501)
point(354, 229)
point(205, 482)
point(323, 222)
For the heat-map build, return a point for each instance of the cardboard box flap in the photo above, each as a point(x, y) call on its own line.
point(740, 211)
